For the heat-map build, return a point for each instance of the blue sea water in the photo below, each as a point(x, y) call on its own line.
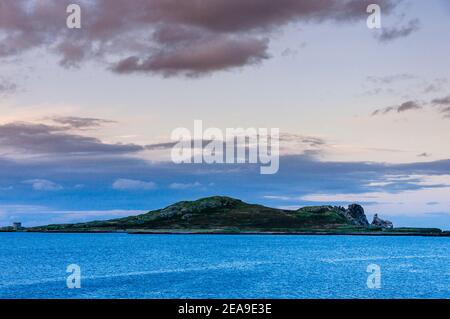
point(220, 266)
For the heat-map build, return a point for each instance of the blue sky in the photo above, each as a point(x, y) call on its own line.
point(362, 119)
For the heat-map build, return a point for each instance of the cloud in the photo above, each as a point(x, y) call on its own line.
point(33, 215)
point(404, 107)
point(309, 140)
point(298, 176)
point(433, 203)
point(424, 155)
point(390, 34)
point(199, 57)
point(7, 87)
point(383, 111)
point(436, 85)
point(80, 122)
point(43, 185)
point(49, 139)
point(442, 101)
point(444, 104)
point(289, 144)
point(282, 198)
point(169, 145)
point(166, 37)
point(160, 146)
point(414, 200)
point(238, 15)
point(388, 84)
point(180, 186)
point(392, 84)
point(131, 184)
point(389, 79)
point(408, 106)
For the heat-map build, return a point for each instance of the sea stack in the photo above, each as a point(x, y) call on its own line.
point(378, 222)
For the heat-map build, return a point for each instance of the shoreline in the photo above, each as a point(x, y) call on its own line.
point(268, 233)
point(295, 234)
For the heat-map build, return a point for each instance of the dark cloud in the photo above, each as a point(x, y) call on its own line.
point(246, 15)
point(72, 53)
point(198, 57)
point(80, 122)
point(436, 85)
point(404, 107)
point(298, 176)
point(160, 146)
point(7, 87)
point(424, 155)
point(47, 139)
point(168, 37)
point(390, 34)
point(442, 101)
point(444, 105)
point(408, 106)
point(30, 24)
point(389, 79)
point(385, 110)
point(309, 140)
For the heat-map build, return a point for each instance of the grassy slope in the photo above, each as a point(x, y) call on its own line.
point(232, 217)
point(238, 216)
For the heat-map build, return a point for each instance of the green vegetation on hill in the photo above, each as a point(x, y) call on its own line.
point(220, 214)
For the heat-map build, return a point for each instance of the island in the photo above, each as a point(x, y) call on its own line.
point(226, 215)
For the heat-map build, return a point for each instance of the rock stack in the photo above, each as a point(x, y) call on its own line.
point(378, 222)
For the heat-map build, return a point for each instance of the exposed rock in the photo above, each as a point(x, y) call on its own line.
point(355, 214)
point(378, 222)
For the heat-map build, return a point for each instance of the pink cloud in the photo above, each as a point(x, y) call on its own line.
point(168, 37)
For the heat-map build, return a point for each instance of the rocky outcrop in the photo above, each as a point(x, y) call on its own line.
point(378, 222)
point(355, 214)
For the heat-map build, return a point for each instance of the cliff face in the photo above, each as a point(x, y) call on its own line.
point(221, 213)
point(355, 214)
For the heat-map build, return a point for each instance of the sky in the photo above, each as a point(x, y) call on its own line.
point(87, 114)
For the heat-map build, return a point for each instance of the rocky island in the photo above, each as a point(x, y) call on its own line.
point(225, 215)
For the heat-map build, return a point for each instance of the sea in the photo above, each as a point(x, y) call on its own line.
point(119, 265)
